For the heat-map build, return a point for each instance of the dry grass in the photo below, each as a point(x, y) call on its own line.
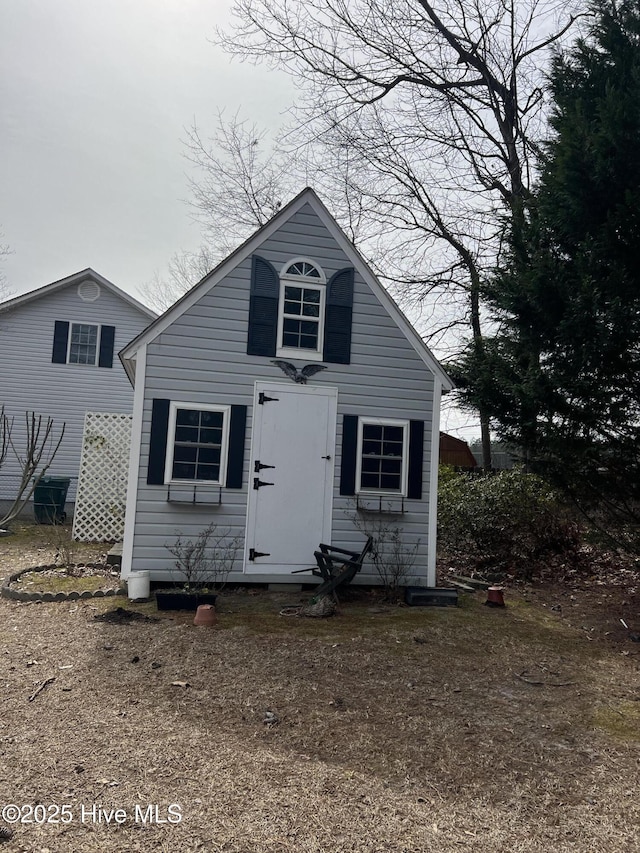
point(398, 729)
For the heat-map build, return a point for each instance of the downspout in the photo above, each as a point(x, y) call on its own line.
point(134, 462)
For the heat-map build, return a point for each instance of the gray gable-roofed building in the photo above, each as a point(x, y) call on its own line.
point(58, 350)
point(281, 397)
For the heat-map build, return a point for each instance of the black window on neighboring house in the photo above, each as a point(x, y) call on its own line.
point(83, 343)
point(89, 344)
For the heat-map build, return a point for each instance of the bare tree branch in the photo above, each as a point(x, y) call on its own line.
point(419, 119)
point(239, 185)
point(185, 269)
point(5, 251)
point(34, 456)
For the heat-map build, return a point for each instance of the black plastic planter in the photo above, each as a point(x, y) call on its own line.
point(169, 599)
point(429, 596)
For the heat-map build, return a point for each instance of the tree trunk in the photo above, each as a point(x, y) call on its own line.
point(485, 435)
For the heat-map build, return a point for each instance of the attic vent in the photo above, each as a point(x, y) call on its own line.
point(89, 291)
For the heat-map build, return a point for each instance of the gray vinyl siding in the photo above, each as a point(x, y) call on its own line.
point(201, 358)
point(63, 392)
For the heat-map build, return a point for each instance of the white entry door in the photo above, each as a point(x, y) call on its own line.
point(291, 476)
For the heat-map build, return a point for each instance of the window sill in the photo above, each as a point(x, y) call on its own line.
point(194, 494)
point(380, 504)
point(80, 364)
point(300, 354)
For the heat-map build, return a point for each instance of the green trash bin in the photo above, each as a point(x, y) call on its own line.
point(49, 499)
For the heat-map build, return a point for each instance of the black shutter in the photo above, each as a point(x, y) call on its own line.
point(235, 462)
point(263, 308)
point(338, 317)
point(158, 442)
point(107, 337)
point(349, 450)
point(60, 341)
point(416, 451)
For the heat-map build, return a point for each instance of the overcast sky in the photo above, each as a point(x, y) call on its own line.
point(95, 98)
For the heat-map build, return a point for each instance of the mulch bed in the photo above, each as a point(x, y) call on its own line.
point(121, 616)
point(382, 728)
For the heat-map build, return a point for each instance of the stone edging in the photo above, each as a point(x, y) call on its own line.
point(20, 595)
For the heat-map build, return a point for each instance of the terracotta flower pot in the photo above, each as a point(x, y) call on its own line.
point(205, 615)
point(495, 597)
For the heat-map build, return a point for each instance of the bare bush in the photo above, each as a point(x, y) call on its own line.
point(392, 557)
point(34, 456)
point(206, 560)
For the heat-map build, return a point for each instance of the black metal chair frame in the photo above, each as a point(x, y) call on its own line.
point(336, 566)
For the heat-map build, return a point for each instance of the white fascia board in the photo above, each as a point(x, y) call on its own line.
point(216, 275)
point(69, 281)
point(384, 297)
point(152, 315)
point(307, 196)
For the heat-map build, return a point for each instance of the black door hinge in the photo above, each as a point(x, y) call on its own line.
point(258, 466)
point(257, 483)
point(262, 399)
point(253, 554)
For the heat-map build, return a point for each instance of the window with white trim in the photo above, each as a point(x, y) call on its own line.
point(197, 444)
point(301, 309)
point(382, 456)
point(88, 344)
point(84, 344)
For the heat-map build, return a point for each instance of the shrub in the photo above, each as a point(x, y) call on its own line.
point(392, 557)
point(509, 522)
point(207, 560)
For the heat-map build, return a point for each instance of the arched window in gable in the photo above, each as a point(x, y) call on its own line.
point(297, 313)
point(301, 310)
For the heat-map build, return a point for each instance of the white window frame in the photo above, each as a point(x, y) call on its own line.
point(404, 476)
point(97, 326)
point(171, 434)
point(307, 283)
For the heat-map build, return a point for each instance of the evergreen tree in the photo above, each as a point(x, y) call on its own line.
point(563, 381)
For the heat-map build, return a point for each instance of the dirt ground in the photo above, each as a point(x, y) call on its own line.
point(384, 728)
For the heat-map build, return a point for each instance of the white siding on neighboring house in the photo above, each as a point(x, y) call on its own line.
point(201, 357)
point(31, 381)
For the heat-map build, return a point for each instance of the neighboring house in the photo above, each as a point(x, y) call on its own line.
point(503, 457)
point(221, 434)
point(454, 451)
point(57, 350)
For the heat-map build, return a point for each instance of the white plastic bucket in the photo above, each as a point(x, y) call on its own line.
point(138, 585)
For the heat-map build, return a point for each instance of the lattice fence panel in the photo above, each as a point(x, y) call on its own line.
point(102, 481)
